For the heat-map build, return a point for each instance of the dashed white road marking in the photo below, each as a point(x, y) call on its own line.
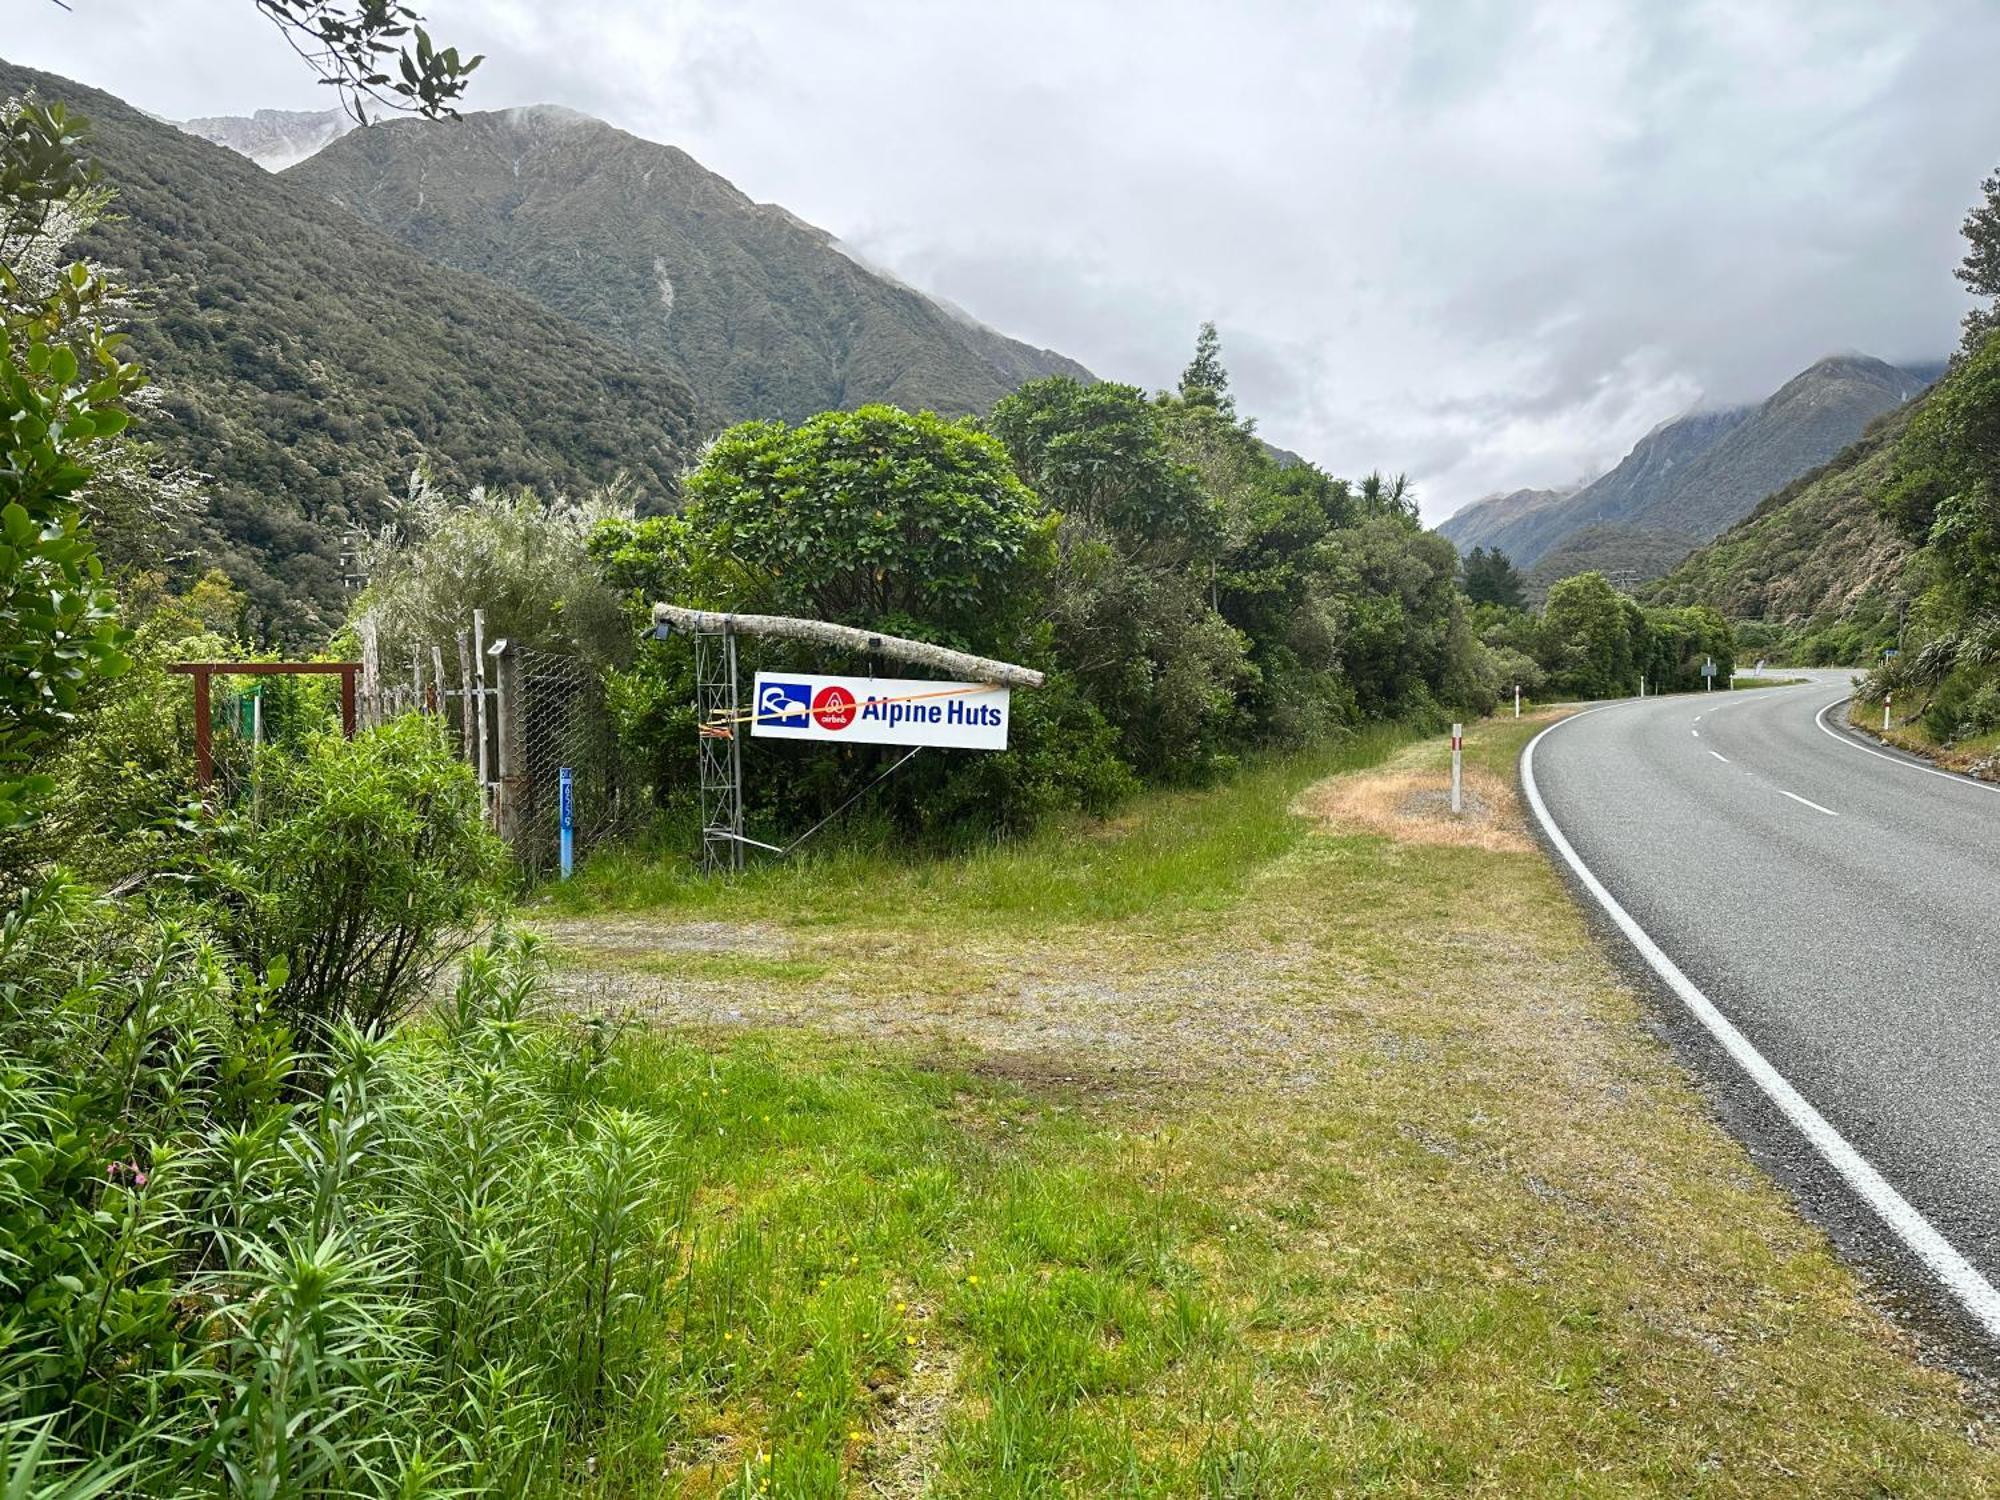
point(1807, 801)
point(1723, 758)
point(1971, 1290)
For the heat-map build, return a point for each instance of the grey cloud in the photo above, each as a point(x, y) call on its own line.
point(1490, 242)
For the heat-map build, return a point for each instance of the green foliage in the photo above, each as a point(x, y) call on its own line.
point(1130, 615)
point(381, 1268)
point(357, 871)
point(350, 44)
point(1205, 382)
point(64, 389)
point(524, 560)
point(1490, 578)
point(1587, 639)
point(1946, 498)
point(912, 523)
point(1596, 643)
point(1098, 455)
point(1980, 270)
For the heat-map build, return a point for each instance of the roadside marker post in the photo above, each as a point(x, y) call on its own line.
point(566, 802)
point(1517, 700)
point(1642, 684)
point(1457, 761)
point(1887, 699)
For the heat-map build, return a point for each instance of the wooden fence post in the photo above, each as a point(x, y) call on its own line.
point(510, 809)
point(479, 666)
point(465, 709)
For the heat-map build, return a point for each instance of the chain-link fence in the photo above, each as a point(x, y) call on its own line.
point(564, 721)
point(520, 717)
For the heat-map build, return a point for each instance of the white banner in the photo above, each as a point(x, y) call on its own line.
point(880, 711)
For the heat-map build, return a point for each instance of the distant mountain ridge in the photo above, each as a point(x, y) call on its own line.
point(273, 138)
point(1483, 522)
point(1698, 474)
point(761, 313)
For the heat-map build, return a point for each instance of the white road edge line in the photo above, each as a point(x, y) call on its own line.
point(1972, 1291)
point(1894, 760)
point(1807, 801)
point(1719, 756)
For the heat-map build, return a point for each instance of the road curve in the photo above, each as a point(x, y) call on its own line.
point(1838, 906)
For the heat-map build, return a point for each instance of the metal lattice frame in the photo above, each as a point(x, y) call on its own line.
point(718, 707)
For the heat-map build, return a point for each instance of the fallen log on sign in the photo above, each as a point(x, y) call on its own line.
point(960, 664)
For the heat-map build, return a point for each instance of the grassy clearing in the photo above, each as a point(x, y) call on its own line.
point(1739, 684)
point(1178, 851)
point(1351, 1169)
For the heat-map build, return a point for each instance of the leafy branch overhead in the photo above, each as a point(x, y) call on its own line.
point(373, 51)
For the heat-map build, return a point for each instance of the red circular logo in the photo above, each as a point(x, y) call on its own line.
point(833, 707)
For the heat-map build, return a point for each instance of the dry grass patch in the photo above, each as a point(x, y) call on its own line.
point(1409, 800)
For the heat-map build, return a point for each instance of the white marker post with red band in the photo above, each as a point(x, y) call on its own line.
point(1457, 760)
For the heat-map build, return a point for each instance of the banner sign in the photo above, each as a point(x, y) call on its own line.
point(880, 711)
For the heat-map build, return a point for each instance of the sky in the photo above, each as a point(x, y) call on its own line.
point(1489, 243)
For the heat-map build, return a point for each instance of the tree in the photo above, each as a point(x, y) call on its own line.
point(1490, 578)
point(911, 523)
point(1980, 270)
point(522, 559)
point(1586, 639)
point(1205, 382)
point(64, 394)
point(1098, 454)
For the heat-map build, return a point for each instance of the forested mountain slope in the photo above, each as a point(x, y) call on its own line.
point(764, 315)
point(1700, 473)
point(1816, 554)
point(307, 360)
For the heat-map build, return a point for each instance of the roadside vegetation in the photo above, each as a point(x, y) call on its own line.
point(1356, 1171)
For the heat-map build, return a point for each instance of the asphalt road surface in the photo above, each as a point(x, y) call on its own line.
point(1839, 905)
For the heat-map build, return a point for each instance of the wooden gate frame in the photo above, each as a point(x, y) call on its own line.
point(201, 671)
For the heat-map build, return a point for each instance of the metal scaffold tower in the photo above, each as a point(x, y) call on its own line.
point(721, 720)
point(718, 713)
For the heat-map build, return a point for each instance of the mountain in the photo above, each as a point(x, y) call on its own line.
point(761, 313)
point(1699, 473)
point(1484, 521)
point(306, 361)
point(1652, 468)
point(273, 138)
point(1816, 555)
point(1627, 555)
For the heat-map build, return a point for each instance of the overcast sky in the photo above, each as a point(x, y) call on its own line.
point(1489, 242)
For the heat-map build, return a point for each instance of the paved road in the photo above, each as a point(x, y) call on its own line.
point(1841, 908)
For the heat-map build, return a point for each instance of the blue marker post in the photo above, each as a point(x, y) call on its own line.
point(567, 784)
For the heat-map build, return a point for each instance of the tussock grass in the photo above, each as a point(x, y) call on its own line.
point(1358, 1172)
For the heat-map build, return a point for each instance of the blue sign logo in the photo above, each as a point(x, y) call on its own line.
point(784, 703)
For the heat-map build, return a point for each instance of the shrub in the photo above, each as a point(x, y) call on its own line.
point(422, 1273)
point(359, 869)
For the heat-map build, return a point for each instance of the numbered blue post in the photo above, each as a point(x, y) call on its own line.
point(567, 784)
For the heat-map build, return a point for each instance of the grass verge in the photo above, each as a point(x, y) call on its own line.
point(1229, 1150)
